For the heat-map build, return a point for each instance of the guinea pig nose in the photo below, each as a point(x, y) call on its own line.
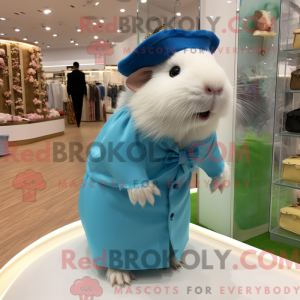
point(213, 91)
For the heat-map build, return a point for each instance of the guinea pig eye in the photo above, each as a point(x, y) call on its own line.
point(174, 71)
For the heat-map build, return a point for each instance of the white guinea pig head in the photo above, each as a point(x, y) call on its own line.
point(182, 97)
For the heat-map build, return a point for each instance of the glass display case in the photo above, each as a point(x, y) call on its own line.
point(286, 144)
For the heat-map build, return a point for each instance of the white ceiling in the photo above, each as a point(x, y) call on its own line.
point(64, 20)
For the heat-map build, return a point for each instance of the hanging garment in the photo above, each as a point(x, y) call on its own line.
point(64, 93)
point(102, 91)
point(58, 96)
point(85, 106)
point(50, 95)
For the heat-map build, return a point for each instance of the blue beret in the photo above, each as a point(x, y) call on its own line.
point(162, 45)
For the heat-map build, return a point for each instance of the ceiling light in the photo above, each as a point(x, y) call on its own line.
point(72, 41)
point(76, 44)
point(48, 28)
point(48, 46)
point(211, 16)
point(119, 30)
point(36, 42)
point(102, 21)
point(143, 1)
point(54, 34)
point(17, 29)
point(79, 30)
point(113, 43)
point(178, 14)
point(122, 10)
point(47, 11)
point(2, 33)
point(25, 39)
point(95, 37)
point(228, 1)
point(96, 3)
point(2, 19)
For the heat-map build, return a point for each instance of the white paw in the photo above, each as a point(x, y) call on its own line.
point(120, 277)
point(142, 194)
point(174, 263)
point(218, 182)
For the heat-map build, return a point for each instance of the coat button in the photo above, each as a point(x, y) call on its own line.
point(172, 217)
point(176, 186)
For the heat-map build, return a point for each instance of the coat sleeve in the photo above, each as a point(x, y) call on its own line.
point(118, 154)
point(210, 159)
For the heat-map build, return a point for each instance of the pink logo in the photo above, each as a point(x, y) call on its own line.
point(29, 182)
point(100, 49)
point(86, 288)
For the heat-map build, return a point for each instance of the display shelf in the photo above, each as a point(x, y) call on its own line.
point(288, 134)
point(288, 91)
point(284, 236)
point(288, 184)
point(287, 144)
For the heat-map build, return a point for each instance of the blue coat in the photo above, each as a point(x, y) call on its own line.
point(120, 159)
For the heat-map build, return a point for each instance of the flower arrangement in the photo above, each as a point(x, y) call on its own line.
point(8, 103)
point(35, 83)
point(2, 52)
point(16, 79)
point(15, 52)
point(18, 89)
point(1, 82)
point(36, 101)
point(34, 117)
point(7, 94)
point(31, 71)
point(4, 118)
point(2, 63)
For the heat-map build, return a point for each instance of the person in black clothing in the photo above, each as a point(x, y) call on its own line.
point(76, 89)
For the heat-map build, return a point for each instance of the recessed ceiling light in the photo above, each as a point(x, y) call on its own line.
point(76, 44)
point(211, 16)
point(94, 23)
point(79, 30)
point(72, 41)
point(25, 39)
point(48, 46)
point(96, 3)
point(178, 14)
point(119, 30)
point(54, 34)
point(95, 37)
point(17, 29)
point(36, 42)
point(102, 21)
point(143, 1)
point(113, 43)
point(2, 19)
point(2, 33)
point(48, 28)
point(122, 10)
point(47, 11)
point(228, 1)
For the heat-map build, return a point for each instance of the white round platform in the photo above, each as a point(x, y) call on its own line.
point(38, 273)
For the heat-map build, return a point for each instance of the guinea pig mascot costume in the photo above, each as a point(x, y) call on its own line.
point(134, 203)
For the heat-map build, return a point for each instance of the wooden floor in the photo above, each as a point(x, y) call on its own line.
point(22, 222)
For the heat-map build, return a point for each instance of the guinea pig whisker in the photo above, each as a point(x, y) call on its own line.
point(252, 106)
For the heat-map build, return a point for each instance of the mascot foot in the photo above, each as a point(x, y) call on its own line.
point(120, 277)
point(175, 264)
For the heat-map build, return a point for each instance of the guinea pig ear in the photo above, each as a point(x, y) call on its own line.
point(139, 78)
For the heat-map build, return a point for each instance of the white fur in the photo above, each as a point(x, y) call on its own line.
point(218, 182)
point(267, 16)
point(142, 194)
point(120, 277)
point(167, 107)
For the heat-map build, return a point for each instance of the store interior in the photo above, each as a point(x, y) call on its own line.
point(260, 136)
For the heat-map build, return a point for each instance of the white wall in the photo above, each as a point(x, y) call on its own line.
point(58, 59)
point(215, 211)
